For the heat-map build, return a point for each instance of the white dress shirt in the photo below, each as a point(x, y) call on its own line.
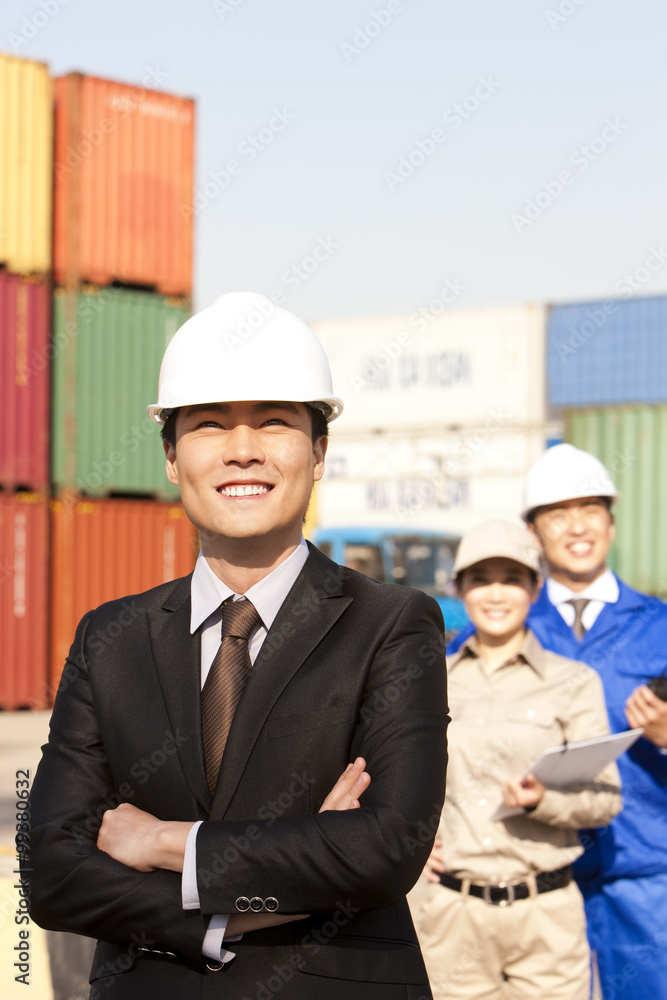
point(602, 591)
point(207, 594)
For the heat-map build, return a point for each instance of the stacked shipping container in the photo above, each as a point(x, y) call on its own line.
point(108, 549)
point(124, 160)
point(121, 228)
point(105, 372)
point(443, 415)
point(26, 133)
point(24, 543)
point(607, 373)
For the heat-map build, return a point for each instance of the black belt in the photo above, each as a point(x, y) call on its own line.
point(506, 893)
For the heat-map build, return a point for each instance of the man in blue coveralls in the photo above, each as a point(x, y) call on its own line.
point(587, 613)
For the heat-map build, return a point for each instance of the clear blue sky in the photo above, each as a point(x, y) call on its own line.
point(357, 95)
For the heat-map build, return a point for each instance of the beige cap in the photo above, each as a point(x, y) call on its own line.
point(497, 539)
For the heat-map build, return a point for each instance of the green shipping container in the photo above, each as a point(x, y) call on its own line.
point(632, 443)
point(108, 345)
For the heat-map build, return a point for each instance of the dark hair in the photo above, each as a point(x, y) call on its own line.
point(532, 514)
point(534, 577)
point(319, 425)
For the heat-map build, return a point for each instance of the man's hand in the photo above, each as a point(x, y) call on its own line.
point(645, 710)
point(435, 864)
point(524, 792)
point(345, 793)
point(140, 841)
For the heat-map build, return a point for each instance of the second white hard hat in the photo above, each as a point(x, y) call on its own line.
point(244, 347)
point(565, 473)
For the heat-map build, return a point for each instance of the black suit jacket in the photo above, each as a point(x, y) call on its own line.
point(350, 667)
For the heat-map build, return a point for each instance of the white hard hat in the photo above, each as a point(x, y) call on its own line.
point(244, 347)
point(565, 473)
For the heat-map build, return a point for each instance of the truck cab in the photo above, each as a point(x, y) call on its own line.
point(414, 558)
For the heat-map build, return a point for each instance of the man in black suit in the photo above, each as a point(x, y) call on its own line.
point(255, 872)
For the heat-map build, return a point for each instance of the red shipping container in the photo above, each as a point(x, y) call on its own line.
point(105, 549)
point(124, 176)
point(24, 548)
point(25, 375)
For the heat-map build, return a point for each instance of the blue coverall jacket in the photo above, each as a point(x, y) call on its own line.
point(627, 645)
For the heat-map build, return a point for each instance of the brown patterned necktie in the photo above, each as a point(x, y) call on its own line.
point(578, 603)
point(225, 681)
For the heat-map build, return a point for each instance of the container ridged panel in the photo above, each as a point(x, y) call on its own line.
point(26, 142)
point(24, 523)
point(107, 549)
point(632, 443)
point(442, 368)
point(124, 174)
point(603, 353)
point(110, 343)
point(24, 382)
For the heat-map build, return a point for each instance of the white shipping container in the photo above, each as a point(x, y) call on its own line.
point(430, 372)
point(448, 482)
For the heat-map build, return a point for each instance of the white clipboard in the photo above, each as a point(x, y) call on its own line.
point(574, 763)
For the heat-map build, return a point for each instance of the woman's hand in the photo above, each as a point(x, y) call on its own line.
point(435, 865)
point(525, 792)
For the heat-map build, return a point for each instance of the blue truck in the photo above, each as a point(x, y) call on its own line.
point(415, 558)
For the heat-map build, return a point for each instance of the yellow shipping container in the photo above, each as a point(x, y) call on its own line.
point(26, 154)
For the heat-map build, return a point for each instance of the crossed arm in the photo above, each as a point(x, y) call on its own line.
point(371, 854)
point(143, 842)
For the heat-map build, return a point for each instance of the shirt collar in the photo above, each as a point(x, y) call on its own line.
point(604, 589)
point(531, 652)
point(207, 590)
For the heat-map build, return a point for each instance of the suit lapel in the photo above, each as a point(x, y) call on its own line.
point(177, 656)
point(312, 607)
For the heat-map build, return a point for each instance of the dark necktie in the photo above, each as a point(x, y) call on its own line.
point(225, 681)
point(578, 603)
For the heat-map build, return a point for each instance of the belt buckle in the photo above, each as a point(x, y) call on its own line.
point(486, 894)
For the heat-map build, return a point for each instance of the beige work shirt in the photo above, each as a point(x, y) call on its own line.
point(502, 721)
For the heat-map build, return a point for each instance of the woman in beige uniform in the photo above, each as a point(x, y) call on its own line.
point(496, 910)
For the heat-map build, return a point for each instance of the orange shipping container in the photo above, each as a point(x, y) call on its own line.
point(24, 548)
point(105, 549)
point(124, 160)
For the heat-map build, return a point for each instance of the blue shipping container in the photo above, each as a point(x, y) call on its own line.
point(600, 353)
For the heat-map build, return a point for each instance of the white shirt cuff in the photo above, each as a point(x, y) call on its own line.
point(215, 935)
point(189, 890)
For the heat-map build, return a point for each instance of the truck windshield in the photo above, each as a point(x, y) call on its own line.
point(424, 563)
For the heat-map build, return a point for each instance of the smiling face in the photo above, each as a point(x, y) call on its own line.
point(575, 536)
point(246, 472)
point(497, 594)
